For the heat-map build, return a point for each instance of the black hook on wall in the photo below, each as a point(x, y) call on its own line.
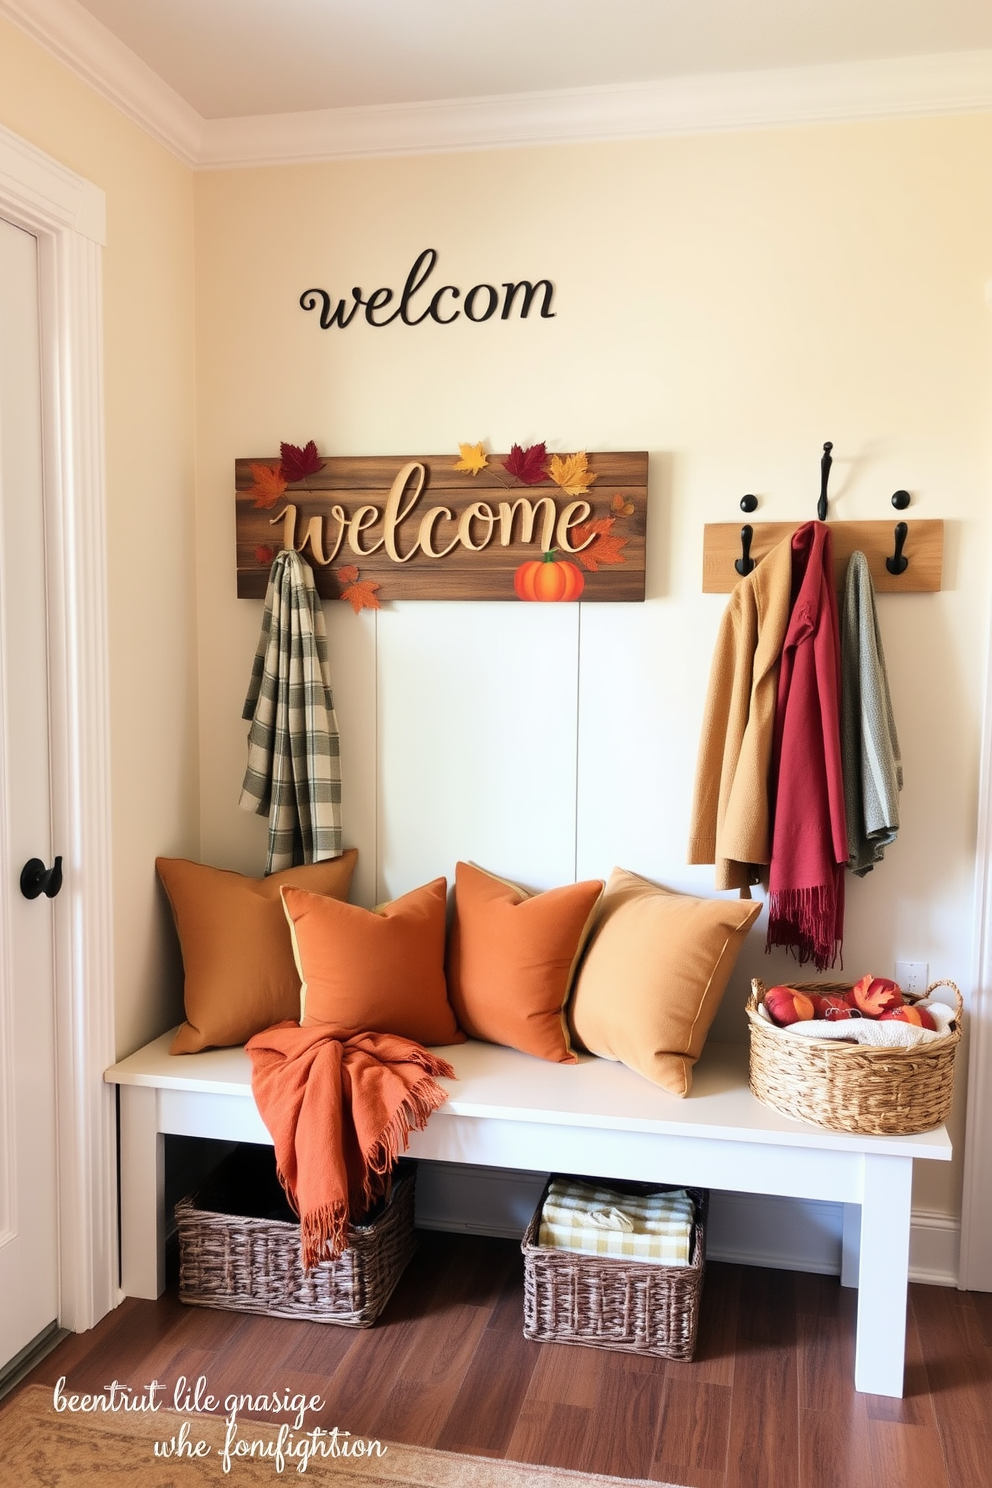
point(898, 563)
point(825, 464)
point(745, 562)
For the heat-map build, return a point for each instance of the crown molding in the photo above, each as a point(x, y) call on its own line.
point(86, 47)
point(944, 83)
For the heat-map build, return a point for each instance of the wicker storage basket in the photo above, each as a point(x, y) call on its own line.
point(852, 1087)
point(611, 1302)
point(252, 1262)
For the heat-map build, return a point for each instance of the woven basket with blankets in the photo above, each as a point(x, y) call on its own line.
point(618, 1267)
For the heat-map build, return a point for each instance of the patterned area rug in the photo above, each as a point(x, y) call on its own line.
point(160, 1449)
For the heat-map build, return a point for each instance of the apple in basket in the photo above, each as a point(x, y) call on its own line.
point(834, 1007)
point(920, 1016)
point(786, 1005)
point(876, 995)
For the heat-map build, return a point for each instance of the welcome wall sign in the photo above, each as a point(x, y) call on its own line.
point(379, 528)
point(420, 301)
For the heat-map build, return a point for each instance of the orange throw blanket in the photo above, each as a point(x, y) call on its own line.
point(339, 1111)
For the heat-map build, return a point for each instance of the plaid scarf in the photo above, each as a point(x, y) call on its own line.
point(294, 766)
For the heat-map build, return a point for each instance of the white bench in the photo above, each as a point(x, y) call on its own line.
point(508, 1110)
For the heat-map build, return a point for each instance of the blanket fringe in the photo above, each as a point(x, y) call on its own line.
point(804, 921)
point(323, 1234)
point(422, 1099)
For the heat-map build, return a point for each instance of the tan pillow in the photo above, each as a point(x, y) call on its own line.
point(379, 971)
point(237, 949)
point(511, 958)
point(653, 976)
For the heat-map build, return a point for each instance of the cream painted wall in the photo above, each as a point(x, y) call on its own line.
point(727, 302)
point(149, 359)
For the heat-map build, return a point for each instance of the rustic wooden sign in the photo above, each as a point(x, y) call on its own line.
point(421, 529)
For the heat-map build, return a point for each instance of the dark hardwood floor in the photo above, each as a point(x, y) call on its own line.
point(768, 1402)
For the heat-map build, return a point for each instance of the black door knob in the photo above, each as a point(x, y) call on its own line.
point(37, 879)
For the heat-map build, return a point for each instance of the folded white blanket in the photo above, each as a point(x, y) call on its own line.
point(887, 1035)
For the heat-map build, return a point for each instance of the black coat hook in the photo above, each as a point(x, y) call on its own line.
point(898, 563)
point(749, 503)
point(900, 500)
point(745, 562)
point(825, 464)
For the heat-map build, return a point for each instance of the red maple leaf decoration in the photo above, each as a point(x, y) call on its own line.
point(528, 465)
point(604, 549)
point(264, 555)
point(298, 463)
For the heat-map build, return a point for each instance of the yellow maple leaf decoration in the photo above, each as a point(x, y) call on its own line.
point(572, 473)
point(269, 484)
point(473, 458)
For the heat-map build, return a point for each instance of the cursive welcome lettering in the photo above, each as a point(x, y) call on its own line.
point(475, 529)
point(480, 303)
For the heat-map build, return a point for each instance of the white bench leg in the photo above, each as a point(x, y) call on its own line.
point(880, 1353)
point(142, 1194)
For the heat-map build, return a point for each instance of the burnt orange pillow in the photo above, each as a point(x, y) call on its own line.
point(240, 976)
point(511, 958)
point(376, 970)
point(653, 976)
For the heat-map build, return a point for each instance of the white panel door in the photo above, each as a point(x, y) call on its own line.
point(28, 1203)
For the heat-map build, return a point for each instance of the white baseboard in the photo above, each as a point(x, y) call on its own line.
point(935, 1248)
point(750, 1229)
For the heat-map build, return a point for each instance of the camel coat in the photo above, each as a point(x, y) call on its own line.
point(731, 817)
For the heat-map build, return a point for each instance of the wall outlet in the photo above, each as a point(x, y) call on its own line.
point(912, 976)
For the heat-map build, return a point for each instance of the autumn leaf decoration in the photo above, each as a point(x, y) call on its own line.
point(473, 458)
point(605, 548)
point(264, 554)
point(360, 594)
point(295, 464)
point(572, 473)
point(268, 486)
point(528, 465)
point(298, 463)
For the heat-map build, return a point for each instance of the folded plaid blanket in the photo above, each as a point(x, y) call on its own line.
point(601, 1221)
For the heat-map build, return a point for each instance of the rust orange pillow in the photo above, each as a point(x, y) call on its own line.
point(376, 970)
point(511, 958)
point(240, 976)
point(653, 976)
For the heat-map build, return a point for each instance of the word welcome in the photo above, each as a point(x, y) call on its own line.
point(474, 529)
point(478, 303)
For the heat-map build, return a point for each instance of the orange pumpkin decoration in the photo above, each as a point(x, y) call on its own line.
point(550, 579)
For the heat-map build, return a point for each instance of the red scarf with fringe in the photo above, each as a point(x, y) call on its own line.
point(809, 831)
point(339, 1111)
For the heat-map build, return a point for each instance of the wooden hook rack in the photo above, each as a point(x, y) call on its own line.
point(923, 547)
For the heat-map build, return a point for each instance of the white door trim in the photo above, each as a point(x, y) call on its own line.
point(67, 215)
point(975, 1271)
